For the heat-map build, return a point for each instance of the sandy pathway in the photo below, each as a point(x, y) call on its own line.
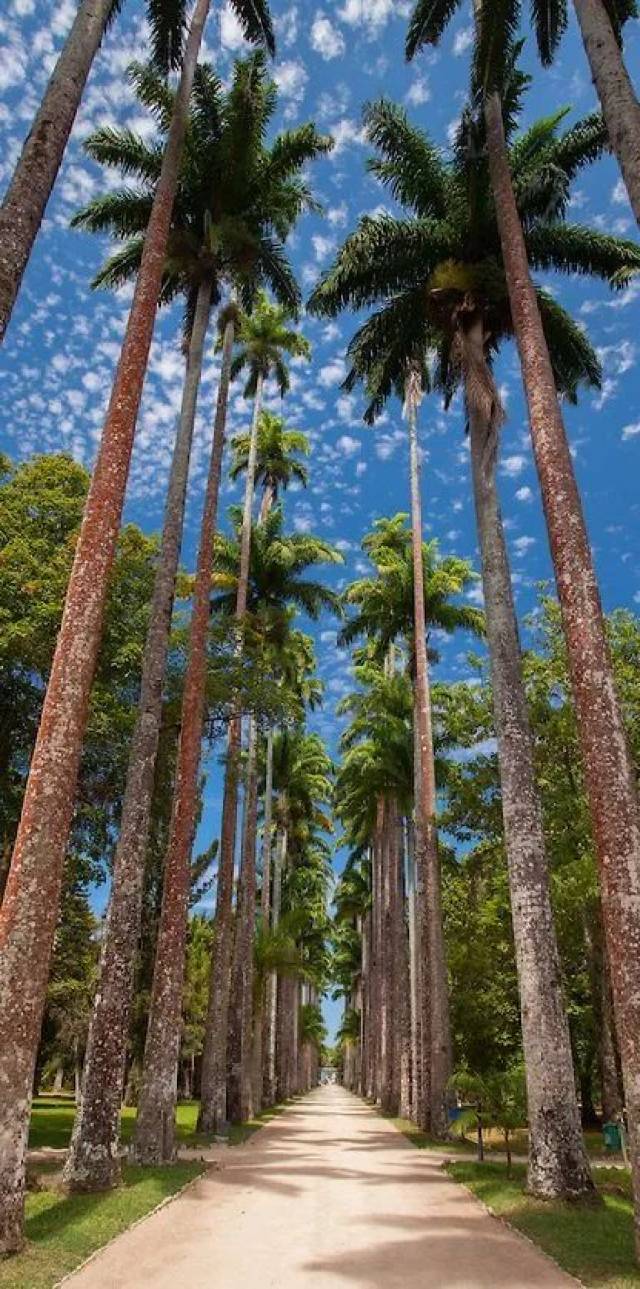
point(325, 1197)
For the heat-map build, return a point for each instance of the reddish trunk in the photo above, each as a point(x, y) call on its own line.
point(26, 198)
point(30, 906)
point(154, 1139)
point(94, 1158)
point(609, 773)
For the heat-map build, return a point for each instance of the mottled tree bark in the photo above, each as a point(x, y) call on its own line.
point(240, 1088)
point(94, 1158)
point(213, 1109)
point(30, 906)
point(620, 106)
point(43, 150)
point(428, 886)
point(270, 1028)
point(558, 1165)
point(609, 775)
point(155, 1126)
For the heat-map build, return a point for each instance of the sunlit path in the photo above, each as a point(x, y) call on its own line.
point(327, 1195)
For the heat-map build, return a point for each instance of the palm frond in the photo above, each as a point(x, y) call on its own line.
point(573, 357)
point(167, 20)
point(411, 167)
point(427, 23)
point(255, 20)
point(125, 150)
point(497, 24)
point(550, 18)
point(125, 213)
point(572, 248)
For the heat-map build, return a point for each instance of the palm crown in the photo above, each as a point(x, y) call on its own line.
point(446, 250)
point(264, 340)
point(497, 26)
point(237, 198)
point(278, 461)
point(278, 562)
point(384, 602)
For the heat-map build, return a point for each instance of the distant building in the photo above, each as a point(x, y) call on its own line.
point(328, 1074)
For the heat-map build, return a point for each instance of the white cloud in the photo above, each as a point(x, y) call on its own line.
point(522, 544)
point(326, 39)
point(291, 78)
point(348, 446)
point(343, 133)
point(463, 40)
point(513, 465)
point(231, 33)
point(332, 374)
point(630, 431)
point(322, 246)
point(418, 93)
point(372, 14)
point(524, 494)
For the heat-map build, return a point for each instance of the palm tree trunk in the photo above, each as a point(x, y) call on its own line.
point(609, 775)
point(213, 1110)
point(435, 996)
point(414, 974)
point(30, 907)
point(620, 106)
point(265, 894)
point(270, 1028)
point(240, 1099)
point(558, 1166)
point(94, 1160)
point(155, 1127)
point(26, 198)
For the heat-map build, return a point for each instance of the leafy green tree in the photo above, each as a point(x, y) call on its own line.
point(278, 458)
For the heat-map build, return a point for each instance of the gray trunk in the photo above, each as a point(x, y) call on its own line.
point(94, 1162)
point(435, 998)
point(265, 897)
point(26, 198)
point(240, 1098)
point(620, 106)
point(271, 1011)
point(609, 774)
point(558, 1165)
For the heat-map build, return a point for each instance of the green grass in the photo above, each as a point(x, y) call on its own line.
point(494, 1142)
point(52, 1121)
point(595, 1244)
point(62, 1231)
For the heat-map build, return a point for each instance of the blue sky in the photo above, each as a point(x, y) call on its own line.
point(57, 364)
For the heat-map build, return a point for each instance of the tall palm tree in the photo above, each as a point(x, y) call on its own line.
point(232, 209)
point(275, 580)
point(387, 611)
point(601, 24)
point(38, 854)
point(278, 456)
point(26, 197)
point(462, 290)
point(266, 340)
point(155, 1124)
point(609, 773)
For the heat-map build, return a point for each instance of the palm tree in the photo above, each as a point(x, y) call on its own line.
point(265, 341)
point(387, 612)
point(223, 227)
point(155, 1123)
point(462, 291)
point(275, 580)
point(278, 461)
point(47, 809)
point(609, 773)
point(26, 197)
point(601, 24)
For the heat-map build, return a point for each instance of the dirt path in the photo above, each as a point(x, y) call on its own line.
point(327, 1196)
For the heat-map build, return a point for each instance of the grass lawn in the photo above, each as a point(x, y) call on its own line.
point(64, 1230)
point(52, 1121)
point(593, 1244)
point(494, 1142)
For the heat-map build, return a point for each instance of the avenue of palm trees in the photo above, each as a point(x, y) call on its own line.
point(206, 206)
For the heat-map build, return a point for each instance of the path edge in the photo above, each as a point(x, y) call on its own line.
point(163, 1203)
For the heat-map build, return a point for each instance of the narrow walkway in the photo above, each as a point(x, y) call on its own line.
point(327, 1196)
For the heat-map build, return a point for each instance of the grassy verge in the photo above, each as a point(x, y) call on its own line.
point(52, 1121)
point(62, 1231)
point(494, 1143)
point(593, 1244)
